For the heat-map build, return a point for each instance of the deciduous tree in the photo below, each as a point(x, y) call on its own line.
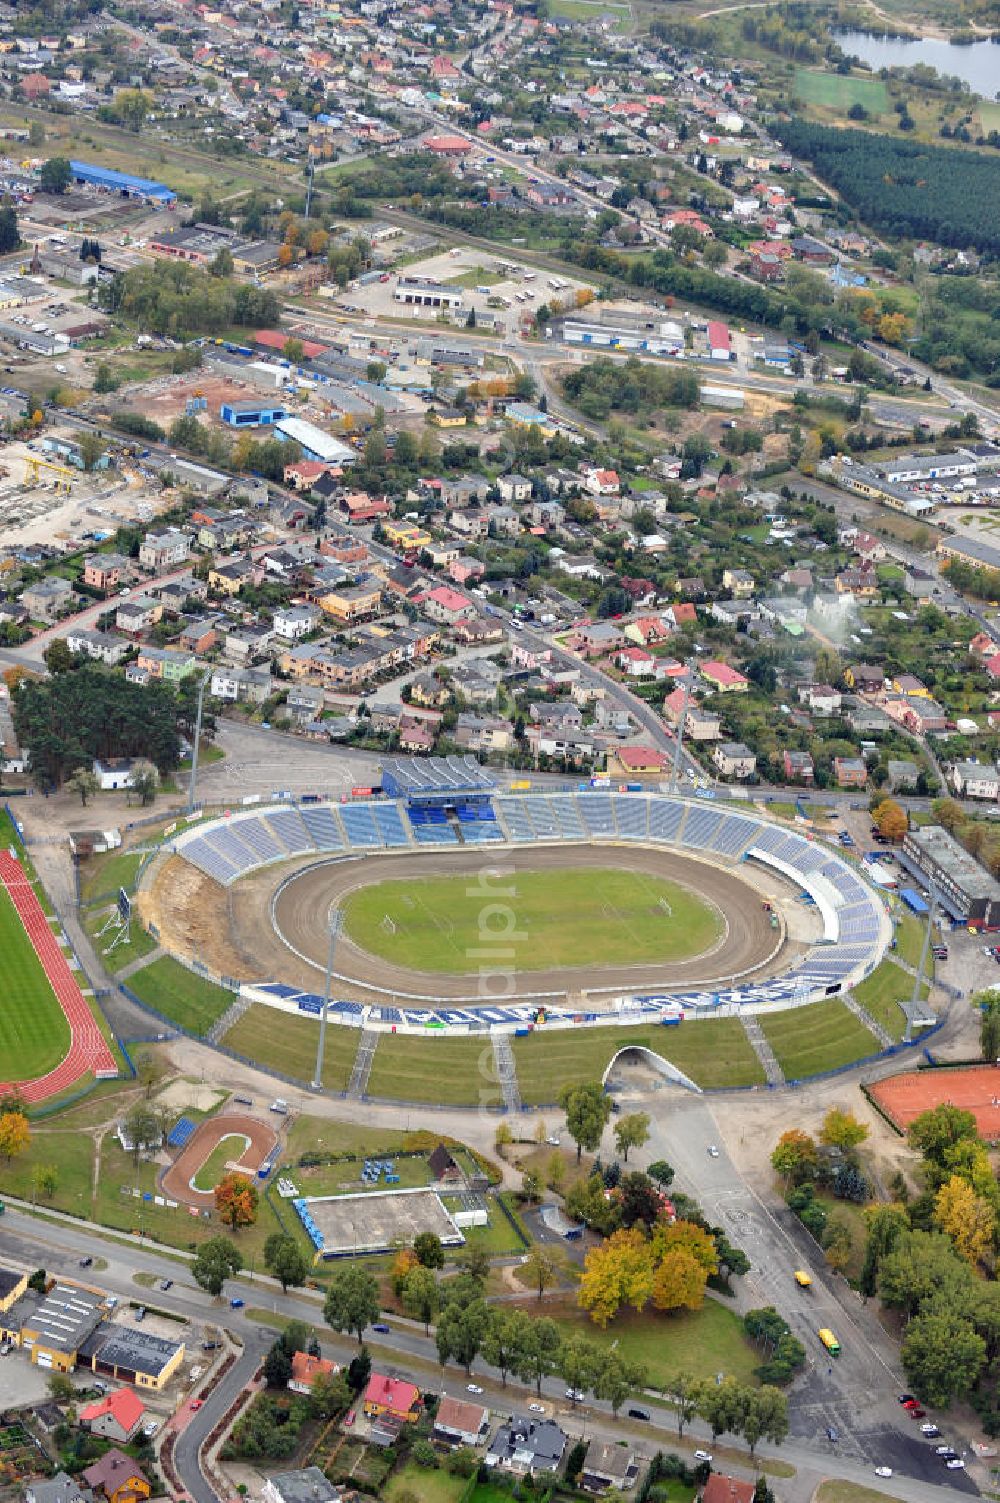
point(618, 1272)
point(236, 1200)
point(679, 1281)
point(794, 1156)
point(352, 1301)
point(967, 1218)
point(285, 1260)
point(215, 1261)
point(841, 1129)
point(631, 1131)
point(421, 1295)
point(942, 1356)
point(15, 1134)
point(587, 1109)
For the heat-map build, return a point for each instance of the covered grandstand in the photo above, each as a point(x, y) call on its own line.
point(124, 183)
point(854, 924)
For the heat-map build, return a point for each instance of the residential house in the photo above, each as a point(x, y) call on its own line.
point(305, 1368)
point(105, 571)
point(635, 662)
point(973, 780)
point(200, 634)
point(138, 614)
point(230, 575)
point(306, 1485)
point(117, 1416)
point(352, 602)
point(460, 1423)
point(164, 550)
point(242, 685)
point(479, 733)
point(447, 605)
point(608, 1464)
point(798, 767)
point(415, 736)
point(428, 689)
point(466, 571)
point(163, 663)
point(504, 522)
point(516, 488)
point(602, 483)
point(392, 1397)
point(117, 1478)
point(723, 678)
point(637, 761)
point(739, 581)
point(864, 677)
point(59, 1489)
point(99, 645)
point(47, 599)
point(291, 623)
point(822, 699)
point(527, 1447)
point(734, 760)
point(305, 702)
point(850, 772)
point(722, 1489)
point(903, 774)
point(113, 773)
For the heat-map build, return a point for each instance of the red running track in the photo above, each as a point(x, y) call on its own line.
point(88, 1050)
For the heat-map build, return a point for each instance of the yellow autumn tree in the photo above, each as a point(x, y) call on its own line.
point(15, 1134)
point(619, 1272)
point(667, 1237)
point(967, 1219)
point(679, 1281)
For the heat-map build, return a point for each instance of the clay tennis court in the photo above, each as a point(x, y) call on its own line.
point(976, 1090)
point(177, 1181)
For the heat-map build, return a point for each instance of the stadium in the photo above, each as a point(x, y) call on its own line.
point(465, 909)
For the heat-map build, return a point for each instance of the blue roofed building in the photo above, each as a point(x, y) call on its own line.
point(122, 182)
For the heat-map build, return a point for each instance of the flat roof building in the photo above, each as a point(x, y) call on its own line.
point(251, 414)
point(965, 888)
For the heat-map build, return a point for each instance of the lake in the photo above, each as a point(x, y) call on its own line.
point(978, 65)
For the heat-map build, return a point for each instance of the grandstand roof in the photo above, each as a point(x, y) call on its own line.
point(107, 177)
point(435, 775)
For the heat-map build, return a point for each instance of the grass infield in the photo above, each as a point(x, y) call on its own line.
point(570, 917)
point(34, 1033)
point(232, 1146)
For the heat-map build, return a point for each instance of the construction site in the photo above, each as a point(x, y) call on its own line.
point(44, 498)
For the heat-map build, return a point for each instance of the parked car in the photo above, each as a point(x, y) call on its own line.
point(473, 1388)
point(86, 1262)
point(832, 1433)
point(165, 1284)
point(883, 1471)
point(931, 1431)
point(713, 1152)
point(703, 1456)
point(381, 1327)
point(150, 1429)
point(237, 1304)
point(140, 1313)
point(636, 1413)
point(197, 1403)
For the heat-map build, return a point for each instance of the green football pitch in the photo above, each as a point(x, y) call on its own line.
point(34, 1033)
point(573, 917)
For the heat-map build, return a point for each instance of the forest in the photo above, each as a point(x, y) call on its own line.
point(910, 190)
point(633, 386)
point(178, 299)
point(71, 718)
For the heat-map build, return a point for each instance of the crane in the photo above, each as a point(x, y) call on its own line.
point(33, 467)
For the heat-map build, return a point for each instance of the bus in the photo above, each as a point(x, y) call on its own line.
point(830, 1341)
point(802, 1279)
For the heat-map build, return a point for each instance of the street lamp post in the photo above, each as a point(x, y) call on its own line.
point(336, 919)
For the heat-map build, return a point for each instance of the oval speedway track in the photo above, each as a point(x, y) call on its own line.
point(748, 943)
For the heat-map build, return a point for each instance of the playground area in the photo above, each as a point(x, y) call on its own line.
point(212, 1149)
point(975, 1089)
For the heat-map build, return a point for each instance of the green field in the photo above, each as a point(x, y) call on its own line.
point(424, 1484)
point(713, 1053)
point(838, 91)
point(449, 1071)
point(34, 1033)
point(138, 944)
point(882, 993)
point(180, 995)
point(702, 1342)
point(591, 10)
point(102, 875)
point(824, 1036)
point(232, 1146)
point(572, 917)
point(287, 1043)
